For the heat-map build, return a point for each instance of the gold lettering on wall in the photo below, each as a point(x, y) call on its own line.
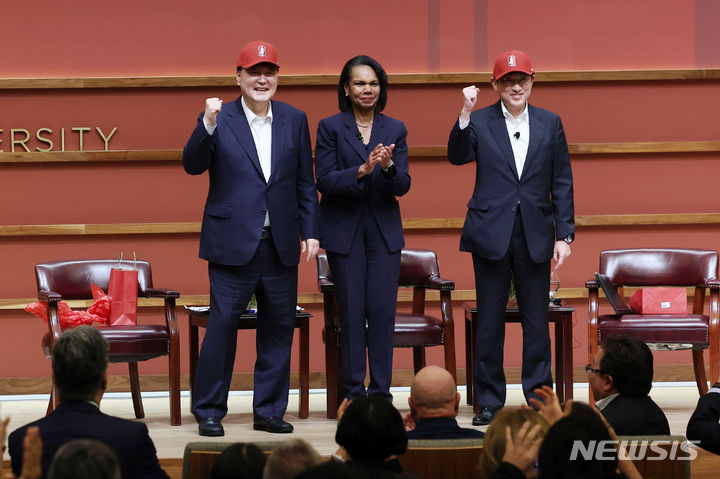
point(45, 139)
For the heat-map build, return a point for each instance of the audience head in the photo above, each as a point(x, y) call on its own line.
point(371, 430)
point(582, 424)
point(344, 101)
point(79, 363)
point(331, 469)
point(239, 461)
point(84, 458)
point(290, 458)
point(625, 366)
point(433, 394)
point(494, 442)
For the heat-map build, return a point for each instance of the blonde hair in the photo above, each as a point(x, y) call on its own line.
point(494, 441)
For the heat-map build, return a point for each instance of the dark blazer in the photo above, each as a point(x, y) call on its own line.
point(545, 190)
point(338, 155)
point(703, 425)
point(442, 428)
point(81, 420)
point(636, 417)
point(239, 196)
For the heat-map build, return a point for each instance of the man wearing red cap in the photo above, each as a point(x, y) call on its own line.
point(520, 217)
point(261, 211)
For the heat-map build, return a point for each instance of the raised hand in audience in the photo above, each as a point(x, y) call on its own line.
point(550, 407)
point(32, 454)
point(522, 451)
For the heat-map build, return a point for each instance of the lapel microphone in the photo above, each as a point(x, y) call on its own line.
point(517, 135)
point(359, 136)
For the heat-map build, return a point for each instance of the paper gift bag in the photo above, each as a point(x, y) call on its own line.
point(122, 290)
point(659, 301)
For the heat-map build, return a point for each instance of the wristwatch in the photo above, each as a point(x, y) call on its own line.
point(569, 238)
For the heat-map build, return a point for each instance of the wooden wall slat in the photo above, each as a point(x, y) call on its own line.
point(189, 227)
point(631, 148)
point(331, 80)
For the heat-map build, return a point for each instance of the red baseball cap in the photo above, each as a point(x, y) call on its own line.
point(512, 61)
point(257, 52)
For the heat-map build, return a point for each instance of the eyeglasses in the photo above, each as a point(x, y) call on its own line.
point(589, 369)
point(509, 82)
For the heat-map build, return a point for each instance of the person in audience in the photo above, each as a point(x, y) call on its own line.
point(520, 422)
point(85, 458)
point(332, 469)
point(239, 461)
point(703, 425)
point(79, 365)
point(372, 434)
point(260, 214)
point(520, 218)
point(32, 452)
point(434, 403)
point(620, 377)
point(290, 458)
point(361, 167)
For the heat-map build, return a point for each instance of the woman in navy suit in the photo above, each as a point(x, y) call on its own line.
point(361, 167)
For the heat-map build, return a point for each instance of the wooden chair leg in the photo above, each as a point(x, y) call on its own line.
point(174, 386)
point(699, 367)
point(304, 368)
point(418, 358)
point(135, 389)
point(332, 382)
point(53, 400)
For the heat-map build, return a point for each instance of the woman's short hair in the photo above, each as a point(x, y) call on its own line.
point(239, 461)
point(583, 424)
point(344, 102)
point(371, 430)
point(494, 441)
point(86, 458)
point(290, 458)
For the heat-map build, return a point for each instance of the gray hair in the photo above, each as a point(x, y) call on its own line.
point(79, 362)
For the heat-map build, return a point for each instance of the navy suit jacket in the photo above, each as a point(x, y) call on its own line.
point(442, 428)
point(239, 196)
point(81, 420)
point(338, 155)
point(703, 425)
point(545, 190)
point(636, 417)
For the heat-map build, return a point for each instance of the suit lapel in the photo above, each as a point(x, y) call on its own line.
point(237, 123)
point(351, 136)
point(499, 131)
point(278, 140)
point(536, 135)
point(378, 131)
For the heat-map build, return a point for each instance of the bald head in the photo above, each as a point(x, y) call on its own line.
point(433, 393)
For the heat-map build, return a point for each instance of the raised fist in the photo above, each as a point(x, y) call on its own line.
point(212, 108)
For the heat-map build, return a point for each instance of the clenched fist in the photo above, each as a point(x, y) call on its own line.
point(470, 94)
point(212, 108)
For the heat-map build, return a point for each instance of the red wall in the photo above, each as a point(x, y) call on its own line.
point(45, 39)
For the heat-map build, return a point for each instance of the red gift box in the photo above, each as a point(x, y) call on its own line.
point(659, 301)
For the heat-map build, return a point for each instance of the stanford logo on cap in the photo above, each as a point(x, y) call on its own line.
point(261, 50)
point(511, 61)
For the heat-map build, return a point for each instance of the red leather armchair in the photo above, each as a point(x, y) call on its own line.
point(663, 267)
point(418, 270)
point(68, 280)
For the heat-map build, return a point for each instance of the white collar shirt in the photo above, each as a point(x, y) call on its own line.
point(261, 128)
point(602, 403)
point(519, 133)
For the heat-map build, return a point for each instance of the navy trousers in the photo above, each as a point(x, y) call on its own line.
point(366, 283)
point(492, 282)
point(231, 287)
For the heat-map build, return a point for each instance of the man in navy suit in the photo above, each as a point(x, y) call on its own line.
point(79, 366)
point(261, 210)
point(434, 404)
point(703, 428)
point(520, 217)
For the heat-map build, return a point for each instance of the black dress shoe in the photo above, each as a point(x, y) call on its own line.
point(486, 414)
point(272, 424)
point(211, 427)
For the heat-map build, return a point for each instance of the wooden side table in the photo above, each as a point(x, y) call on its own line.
point(560, 315)
point(249, 321)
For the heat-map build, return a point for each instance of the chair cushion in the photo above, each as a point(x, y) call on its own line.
point(658, 328)
point(417, 330)
point(130, 343)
